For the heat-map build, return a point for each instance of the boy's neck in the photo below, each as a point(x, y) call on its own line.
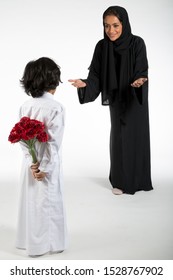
point(52, 91)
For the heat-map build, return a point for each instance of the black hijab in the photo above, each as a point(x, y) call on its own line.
point(116, 61)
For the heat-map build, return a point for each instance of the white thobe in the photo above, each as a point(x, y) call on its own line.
point(41, 220)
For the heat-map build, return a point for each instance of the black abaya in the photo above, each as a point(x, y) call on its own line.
point(130, 148)
point(129, 139)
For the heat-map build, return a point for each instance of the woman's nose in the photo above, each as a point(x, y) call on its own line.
point(111, 29)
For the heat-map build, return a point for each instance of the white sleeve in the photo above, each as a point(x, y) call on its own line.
point(55, 129)
point(24, 146)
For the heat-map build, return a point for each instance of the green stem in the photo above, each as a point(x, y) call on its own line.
point(30, 143)
point(32, 152)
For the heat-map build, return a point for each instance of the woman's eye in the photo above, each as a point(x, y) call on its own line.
point(114, 26)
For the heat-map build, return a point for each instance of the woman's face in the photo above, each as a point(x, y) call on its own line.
point(113, 27)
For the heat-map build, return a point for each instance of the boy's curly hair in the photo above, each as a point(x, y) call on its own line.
point(39, 76)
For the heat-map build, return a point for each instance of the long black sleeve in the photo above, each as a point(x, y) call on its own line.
point(92, 90)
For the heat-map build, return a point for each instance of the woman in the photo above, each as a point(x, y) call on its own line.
point(119, 70)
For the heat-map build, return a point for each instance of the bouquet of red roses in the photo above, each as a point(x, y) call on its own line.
point(28, 131)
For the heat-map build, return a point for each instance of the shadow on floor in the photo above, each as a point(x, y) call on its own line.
point(102, 181)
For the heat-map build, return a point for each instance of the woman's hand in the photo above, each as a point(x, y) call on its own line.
point(139, 82)
point(77, 83)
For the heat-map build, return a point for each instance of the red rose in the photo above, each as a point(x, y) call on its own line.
point(14, 136)
point(18, 128)
point(42, 137)
point(29, 131)
point(24, 122)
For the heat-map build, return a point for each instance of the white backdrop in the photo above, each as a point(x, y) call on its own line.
point(67, 31)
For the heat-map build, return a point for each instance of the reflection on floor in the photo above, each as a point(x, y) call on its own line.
point(101, 226)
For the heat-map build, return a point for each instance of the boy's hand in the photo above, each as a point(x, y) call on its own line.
point(34, 168)
point(39, 176)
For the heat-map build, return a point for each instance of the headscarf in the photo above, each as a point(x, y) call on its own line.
point(116, 64)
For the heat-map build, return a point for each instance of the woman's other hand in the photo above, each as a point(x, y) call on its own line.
point(139, 82)
point(77, 83)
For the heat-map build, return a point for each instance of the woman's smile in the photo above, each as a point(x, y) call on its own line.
point(113, 27)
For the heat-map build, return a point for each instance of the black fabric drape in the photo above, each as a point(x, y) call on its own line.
point(126, 67)
point(117, 79)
